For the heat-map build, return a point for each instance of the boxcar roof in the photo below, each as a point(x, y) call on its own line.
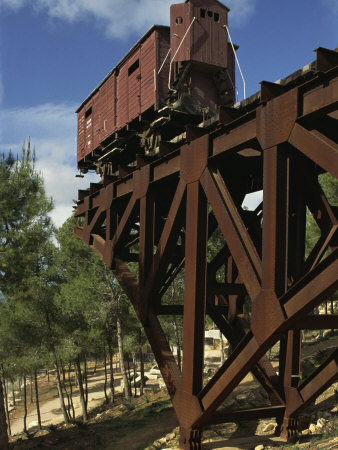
point(140, 41)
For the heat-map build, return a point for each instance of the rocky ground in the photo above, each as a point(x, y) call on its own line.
point(148, 422)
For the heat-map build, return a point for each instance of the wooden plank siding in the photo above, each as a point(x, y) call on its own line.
point(125, 93)
point(206, 41)
point(162, 78)
point(80, 134)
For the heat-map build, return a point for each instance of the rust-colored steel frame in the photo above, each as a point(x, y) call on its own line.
point(172, 206)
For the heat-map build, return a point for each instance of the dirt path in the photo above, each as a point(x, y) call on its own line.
point(51, 412)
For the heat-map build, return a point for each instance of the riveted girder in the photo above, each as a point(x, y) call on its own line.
point(281, 145)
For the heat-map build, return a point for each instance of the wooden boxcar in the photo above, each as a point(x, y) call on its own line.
point(134, 86)
point(188, 67)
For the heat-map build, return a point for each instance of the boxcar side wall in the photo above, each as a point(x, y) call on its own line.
point(122, 96)
point(88, 127)
point(80, 134)
point(104, 111)
point(130, 89)
point(148, 65)
point(206, 40)
point(96, 118)
point(163, 45)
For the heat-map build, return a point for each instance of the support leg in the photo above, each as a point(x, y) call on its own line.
point(191, 439)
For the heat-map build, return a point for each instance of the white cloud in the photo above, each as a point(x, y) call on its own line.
point(118, 19)
point(240, 11)
point(332, 6)
point(13, 4)
point(52, 130)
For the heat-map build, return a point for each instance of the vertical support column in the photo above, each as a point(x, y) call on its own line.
point(111, 213)
point(146, 237)
point(293, 341)
point(267, 314)
point(111, 225)
point(291, 380)
point(275, 220)
point(194, 310)
point(275, 237)
point(146, 251)
point(195, 288)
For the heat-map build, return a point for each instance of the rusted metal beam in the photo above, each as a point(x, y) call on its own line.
point(320, 150)
point(168, 238)
point(234, 231)
point(318, 322)
point(246, 414)
point(280, 143)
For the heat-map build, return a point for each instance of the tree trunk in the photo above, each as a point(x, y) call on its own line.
point(178, 343)
point(25, 404)
point(3, 424)
point(86, 380)
point(31, 388)
point(221, 346)
point(112, 384)
point(37, 399)
point(119, 338)
point(82, 394)
point(5, 391)
point(13, 393)
point(60, 391)
point(71, 390)
point(129, 377)
point(134, 374)
point(141, 362)
point(105, 377)
point(64, 386)
point(122, 365)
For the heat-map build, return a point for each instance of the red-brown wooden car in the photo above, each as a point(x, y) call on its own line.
point(171, 77)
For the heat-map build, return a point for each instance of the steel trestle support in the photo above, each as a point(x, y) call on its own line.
point(169, 209)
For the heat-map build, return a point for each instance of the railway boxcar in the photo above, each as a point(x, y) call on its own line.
point(130, 89)
point(187, 69)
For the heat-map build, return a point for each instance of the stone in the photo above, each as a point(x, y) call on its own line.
point(269, 427)
point(259, 447)
point(33, 424)
point(41, 433)
point(162, 441)
point(321, 423)
point(312, 428)
point(327, 333)
point(170, 436)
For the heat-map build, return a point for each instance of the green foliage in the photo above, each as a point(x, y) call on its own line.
point(329, 186)
point(25, 261)
point(24, 221)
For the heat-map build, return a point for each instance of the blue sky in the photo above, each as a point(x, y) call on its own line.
point(53, 53)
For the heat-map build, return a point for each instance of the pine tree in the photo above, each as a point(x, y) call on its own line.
point(24, 220)
point(24, 227)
